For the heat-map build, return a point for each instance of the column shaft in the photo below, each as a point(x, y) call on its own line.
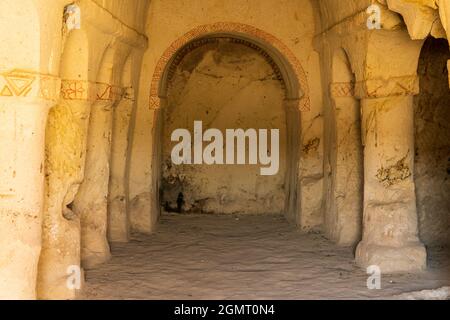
point(390, 236)
point(118, 220)
point(22, 138)
point(66, 140)
point(91, 203)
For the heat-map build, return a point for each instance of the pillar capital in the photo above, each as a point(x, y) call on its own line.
point(391, 87)
point(421, 17)
point(384, 62)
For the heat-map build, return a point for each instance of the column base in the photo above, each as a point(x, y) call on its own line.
point(95, 250)
point(92, 260)
point(118, 226)
point(18, 265)
point(411, 258)
point(55, 268)
point(56, 288)
point(144, 214)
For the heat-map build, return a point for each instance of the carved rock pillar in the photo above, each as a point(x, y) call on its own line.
point(390, 227)
point(91, 203)
point(66, 139)
point(118, 225)
point(25, 99)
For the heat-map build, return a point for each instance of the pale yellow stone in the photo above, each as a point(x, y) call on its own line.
point(87, 108)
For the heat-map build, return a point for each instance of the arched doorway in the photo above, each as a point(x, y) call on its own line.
point(293, 98)
point(224, 83)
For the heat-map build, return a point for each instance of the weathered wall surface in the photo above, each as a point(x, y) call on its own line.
point(133, 13)
point(424, 17)
point(432, 134)
point(226, 86)
point(290, 21)
point(39, 233)
point(35, 238)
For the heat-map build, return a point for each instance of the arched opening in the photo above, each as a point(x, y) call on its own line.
point(229, 81)
point(344, 156)
point(432, 143)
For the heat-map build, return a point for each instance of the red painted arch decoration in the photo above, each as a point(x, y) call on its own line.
point(229, 27)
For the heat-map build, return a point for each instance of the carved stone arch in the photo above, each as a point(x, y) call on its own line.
point(291, 68)
point(166, 81)
point(297, 99)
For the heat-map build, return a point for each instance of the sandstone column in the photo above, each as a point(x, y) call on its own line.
point(345, 167)
point(343, 159)
point(91, 203)
point(66, 140)
point(118, 220)
point(390, 231)
point(29, 87)
point(25, 99)
point(145, 207)
point(385, 64)
point(422, 18)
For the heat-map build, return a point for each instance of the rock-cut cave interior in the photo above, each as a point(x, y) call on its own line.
point(211, 149)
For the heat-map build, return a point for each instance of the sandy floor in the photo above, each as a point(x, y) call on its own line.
point(245, 257)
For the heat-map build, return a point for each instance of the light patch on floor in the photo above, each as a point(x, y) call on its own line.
point(244, 257)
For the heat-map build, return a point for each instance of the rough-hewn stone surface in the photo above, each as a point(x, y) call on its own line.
point(227, 86)
point(365, 137)
point(432, 132)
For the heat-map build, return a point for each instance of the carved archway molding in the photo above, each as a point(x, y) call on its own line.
point(229, 27)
